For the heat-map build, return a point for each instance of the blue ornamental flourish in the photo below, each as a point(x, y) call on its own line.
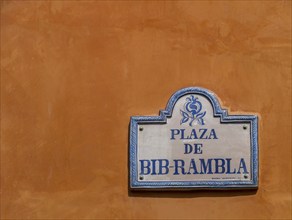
point(192, 112)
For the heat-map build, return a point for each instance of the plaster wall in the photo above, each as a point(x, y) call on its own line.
point(73, 72)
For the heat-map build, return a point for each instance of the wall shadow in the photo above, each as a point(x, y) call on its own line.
point(191, 193)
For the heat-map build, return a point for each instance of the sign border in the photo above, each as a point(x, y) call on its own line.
point(135, 121)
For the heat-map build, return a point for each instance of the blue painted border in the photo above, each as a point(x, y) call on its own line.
point(224, 118)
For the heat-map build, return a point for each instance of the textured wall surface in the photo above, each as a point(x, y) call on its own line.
point(73, 72)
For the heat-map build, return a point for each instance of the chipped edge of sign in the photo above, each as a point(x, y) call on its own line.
point(224, 118)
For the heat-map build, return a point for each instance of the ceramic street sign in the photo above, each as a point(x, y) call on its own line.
point(194, 144)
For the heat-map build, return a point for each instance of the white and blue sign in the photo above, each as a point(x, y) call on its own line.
point(194, 144)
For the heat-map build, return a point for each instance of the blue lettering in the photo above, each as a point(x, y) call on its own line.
point(177, 166)
point(206, 167)
point(193, 167)
point(145, 167)
point(217, 165)
point(188, 148)
point(193, 135)
point(228, 167)
point(198, 148)
point(153, 168)
point(173, 133)
point(242, 166)
point(213, 134)
point(163, 167)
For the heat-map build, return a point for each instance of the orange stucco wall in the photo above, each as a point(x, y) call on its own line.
point(73, 72)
